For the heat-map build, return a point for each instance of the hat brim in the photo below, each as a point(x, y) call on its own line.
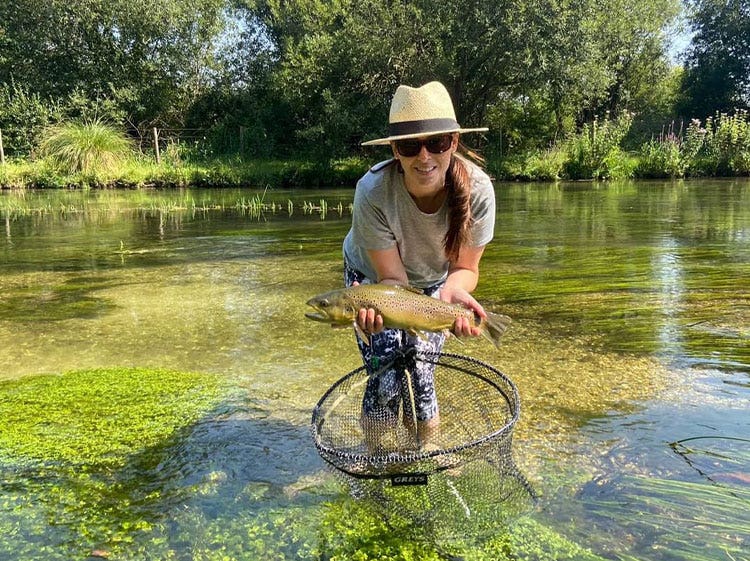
point(389, 139)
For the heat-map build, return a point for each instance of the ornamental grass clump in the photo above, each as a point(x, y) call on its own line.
point(91, 148)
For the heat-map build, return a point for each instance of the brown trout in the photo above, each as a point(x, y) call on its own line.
point(402, 308)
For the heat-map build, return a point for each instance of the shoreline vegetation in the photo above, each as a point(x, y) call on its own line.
point(96, 155)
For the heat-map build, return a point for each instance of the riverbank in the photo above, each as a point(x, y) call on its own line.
point(144, 173)
point(721, 148)
point(290, 174)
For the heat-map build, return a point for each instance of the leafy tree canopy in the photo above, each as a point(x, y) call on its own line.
point(307, 75)
point(153, 56)
point(717, 77)
point(341, 61)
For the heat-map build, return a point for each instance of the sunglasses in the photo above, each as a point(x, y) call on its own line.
point(434, 144)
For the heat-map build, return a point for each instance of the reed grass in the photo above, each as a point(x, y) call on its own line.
point(255, 206)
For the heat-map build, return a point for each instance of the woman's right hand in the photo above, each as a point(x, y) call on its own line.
point(368, 320)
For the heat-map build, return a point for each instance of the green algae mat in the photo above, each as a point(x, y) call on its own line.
point(97, 464)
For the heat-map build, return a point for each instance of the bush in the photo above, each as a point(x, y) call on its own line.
point(660, 158)
point(90, 148)
point(23, 117)
point(545, 166)
point(726, 142)
point(671, 154)
point(595, 153)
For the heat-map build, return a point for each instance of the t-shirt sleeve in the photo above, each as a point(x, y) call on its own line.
point(482, 211)
point(370, 228)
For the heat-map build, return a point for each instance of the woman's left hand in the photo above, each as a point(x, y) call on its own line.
point(462, 326)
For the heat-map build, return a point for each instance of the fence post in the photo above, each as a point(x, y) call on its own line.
point(2, 152)
point(156, 146)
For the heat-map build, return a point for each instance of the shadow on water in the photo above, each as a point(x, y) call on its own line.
point(74, 298)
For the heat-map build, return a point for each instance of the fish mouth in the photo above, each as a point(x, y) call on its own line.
point(317, 316)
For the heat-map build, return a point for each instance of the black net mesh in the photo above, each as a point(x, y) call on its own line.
point(463, 476)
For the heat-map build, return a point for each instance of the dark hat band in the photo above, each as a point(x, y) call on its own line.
point(424, 126)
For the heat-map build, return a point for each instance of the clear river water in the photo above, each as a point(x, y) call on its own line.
point(630, 348)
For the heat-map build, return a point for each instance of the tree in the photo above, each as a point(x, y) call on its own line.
point(717, 74)
point(339, 62)
point(154, 57)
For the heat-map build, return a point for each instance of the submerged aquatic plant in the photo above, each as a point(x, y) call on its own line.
point(90, 148)
point(84, 457)
point(98, 417)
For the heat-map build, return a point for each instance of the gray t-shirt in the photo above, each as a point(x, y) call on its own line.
point(385, 215)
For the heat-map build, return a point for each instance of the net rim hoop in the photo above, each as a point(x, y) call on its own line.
point(506, 428)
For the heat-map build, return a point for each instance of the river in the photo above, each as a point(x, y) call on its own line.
point(629, 347)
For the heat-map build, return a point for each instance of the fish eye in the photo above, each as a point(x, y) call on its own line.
point(324, 303)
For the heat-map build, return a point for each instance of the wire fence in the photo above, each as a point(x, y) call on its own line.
point(157, 141)
point(161, 140)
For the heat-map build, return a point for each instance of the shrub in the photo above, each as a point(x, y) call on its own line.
point(23, 117)
point(544, 165)
point(660, 158)
point(595, 153)
point(89, 148)
point(672, 153)
point(727, 143)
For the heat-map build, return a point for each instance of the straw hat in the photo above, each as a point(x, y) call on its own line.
point(423, 111)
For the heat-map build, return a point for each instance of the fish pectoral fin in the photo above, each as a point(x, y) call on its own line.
point(361, 334)
point(421, 334)
point(448, 333)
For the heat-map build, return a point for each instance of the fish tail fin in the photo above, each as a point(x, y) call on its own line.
point(493, 327)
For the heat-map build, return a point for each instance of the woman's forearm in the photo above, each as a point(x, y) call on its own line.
point(462, 278)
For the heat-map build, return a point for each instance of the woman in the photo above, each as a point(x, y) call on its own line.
point(421, 219)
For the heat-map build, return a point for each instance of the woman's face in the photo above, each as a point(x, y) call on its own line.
point(425, 160)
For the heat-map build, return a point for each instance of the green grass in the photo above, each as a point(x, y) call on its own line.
point(140, 171)
point(95, 155)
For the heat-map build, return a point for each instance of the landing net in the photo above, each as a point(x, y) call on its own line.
point(464, 476)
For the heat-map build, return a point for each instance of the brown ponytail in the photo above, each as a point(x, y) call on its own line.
point(458, 186)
